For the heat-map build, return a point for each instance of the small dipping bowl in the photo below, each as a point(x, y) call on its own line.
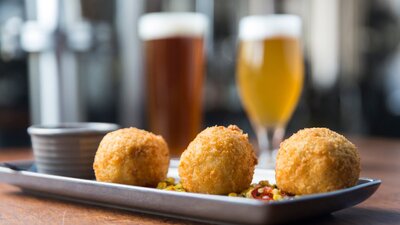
point(67, 149)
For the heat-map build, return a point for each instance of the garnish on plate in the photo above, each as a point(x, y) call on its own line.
point(263, 190)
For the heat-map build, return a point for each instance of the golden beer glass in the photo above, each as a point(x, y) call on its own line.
point(269, 76)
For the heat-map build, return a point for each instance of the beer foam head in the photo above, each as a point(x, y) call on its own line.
point(166, 24)
point(261, 27)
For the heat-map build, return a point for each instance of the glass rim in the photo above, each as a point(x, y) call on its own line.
point(159, 25)
point(258, 27)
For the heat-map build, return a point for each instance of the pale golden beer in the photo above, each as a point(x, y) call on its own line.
point(270, 77)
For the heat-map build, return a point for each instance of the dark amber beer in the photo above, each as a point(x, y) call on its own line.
point(174, 53)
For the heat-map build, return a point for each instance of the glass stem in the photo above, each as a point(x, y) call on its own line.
point(268, 139)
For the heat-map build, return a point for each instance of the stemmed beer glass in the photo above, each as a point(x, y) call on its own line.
point(269, 76)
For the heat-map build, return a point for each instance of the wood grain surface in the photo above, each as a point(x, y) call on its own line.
point(380, 159)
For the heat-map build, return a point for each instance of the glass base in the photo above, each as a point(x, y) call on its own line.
point(174, 163)
point(264, 160)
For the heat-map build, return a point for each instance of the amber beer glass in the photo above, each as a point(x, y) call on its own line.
point(269, 76)
point(174, 55)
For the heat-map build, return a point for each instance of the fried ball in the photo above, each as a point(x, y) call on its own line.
point(132, 156)
point(316, 160)
point(219, 160)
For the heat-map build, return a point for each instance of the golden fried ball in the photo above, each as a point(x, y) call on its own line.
point(219, 160)
point(316, 160)
point(132, 156)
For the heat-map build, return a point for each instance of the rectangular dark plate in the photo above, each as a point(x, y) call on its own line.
point(192, 206)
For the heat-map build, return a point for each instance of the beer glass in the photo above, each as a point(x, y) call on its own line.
point(174, 55)
point(269, 76)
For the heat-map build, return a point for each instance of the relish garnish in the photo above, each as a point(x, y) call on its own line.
point(262, 191)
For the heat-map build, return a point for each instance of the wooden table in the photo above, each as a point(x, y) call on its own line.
point(380, 159)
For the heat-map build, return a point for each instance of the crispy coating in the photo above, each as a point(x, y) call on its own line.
point(316, 160)
point(219, 160)
point(132, 156)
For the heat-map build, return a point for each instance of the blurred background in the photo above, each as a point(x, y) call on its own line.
point(82, 60)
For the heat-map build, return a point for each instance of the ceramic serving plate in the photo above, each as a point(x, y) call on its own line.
point(197, 207)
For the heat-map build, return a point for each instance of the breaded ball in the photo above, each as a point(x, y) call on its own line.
point(132, 156)
point(219, 160)
point(316, 160)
